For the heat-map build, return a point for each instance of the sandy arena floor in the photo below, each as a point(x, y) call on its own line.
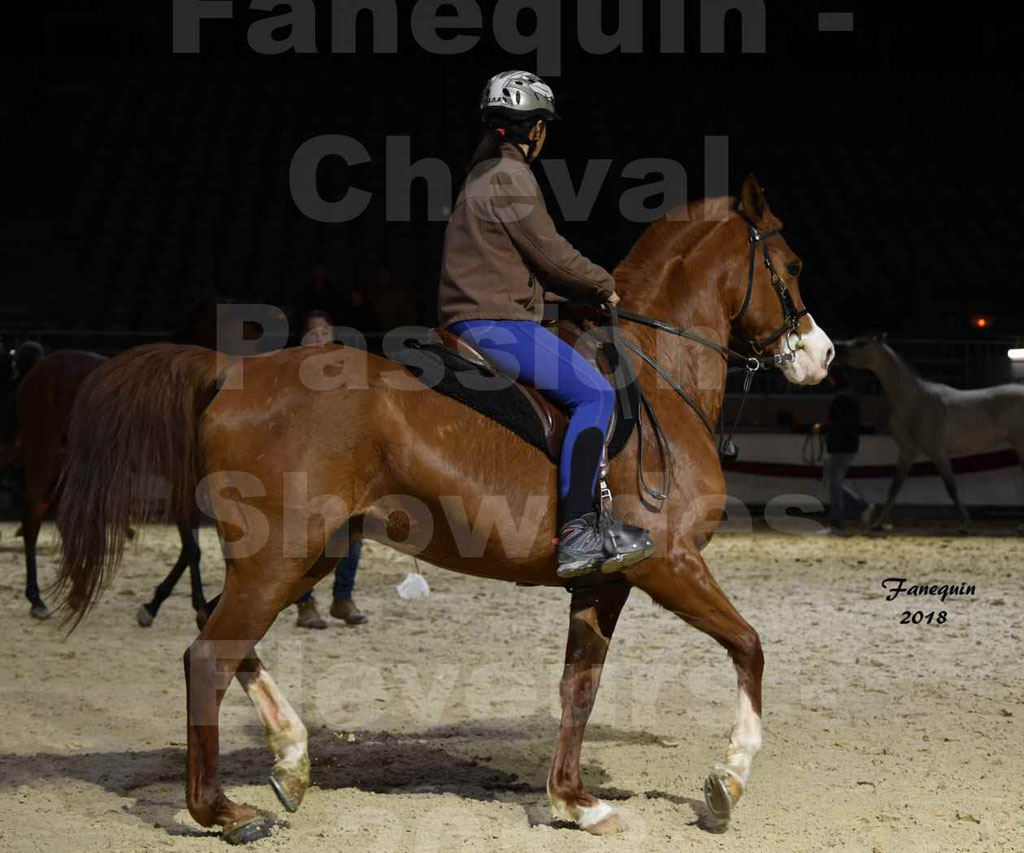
point(431, 727)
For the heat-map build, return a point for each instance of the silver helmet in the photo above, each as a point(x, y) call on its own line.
point(517, 95)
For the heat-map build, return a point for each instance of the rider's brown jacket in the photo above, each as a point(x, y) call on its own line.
point(501, 250)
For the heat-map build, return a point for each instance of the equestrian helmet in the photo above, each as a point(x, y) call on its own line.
point(517, 96)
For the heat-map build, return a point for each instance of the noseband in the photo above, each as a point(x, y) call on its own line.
point(790, 315)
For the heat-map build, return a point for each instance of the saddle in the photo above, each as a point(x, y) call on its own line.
point(519, 407)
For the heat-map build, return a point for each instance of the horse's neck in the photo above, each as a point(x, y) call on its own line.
point(690, 299)
point(898, 381)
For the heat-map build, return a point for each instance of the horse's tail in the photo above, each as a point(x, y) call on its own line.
point(137, 414)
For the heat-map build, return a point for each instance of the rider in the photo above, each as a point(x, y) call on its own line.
point(499, 242)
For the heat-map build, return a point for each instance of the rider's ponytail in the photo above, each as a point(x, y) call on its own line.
point(488, 148)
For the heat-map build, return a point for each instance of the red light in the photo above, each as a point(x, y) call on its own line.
point(981, 322)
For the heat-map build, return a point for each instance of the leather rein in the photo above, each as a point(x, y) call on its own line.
point(791, 317)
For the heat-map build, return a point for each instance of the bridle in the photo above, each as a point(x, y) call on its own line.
point(791, 317)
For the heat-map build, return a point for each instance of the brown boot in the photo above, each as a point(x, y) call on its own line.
point(309, 616)
point(345, 608)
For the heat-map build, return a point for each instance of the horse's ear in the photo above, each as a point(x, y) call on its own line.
point(755, 205)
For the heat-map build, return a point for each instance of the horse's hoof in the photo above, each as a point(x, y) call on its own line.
point(261, 826)
point(290, 787)
point(719, 798)
point(144, 617)
point(609, 825)
point(601, 819)
point(39, 611)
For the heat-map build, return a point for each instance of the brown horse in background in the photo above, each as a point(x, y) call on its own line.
point(45, 398)
point(292, 474)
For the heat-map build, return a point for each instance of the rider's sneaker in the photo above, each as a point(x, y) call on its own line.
point(626, 544)
point(580, 546)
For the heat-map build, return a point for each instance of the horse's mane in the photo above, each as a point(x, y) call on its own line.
point(671, 236)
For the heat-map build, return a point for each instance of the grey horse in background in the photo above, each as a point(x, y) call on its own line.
point(934, 420)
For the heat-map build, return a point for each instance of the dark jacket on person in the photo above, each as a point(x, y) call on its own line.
point(843, 434)
point(501, 250)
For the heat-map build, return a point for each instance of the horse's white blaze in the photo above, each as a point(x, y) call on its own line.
point(286, 734)
point(744, 742)
point(814, 352)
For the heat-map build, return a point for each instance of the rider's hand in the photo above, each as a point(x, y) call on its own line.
point(613, 299)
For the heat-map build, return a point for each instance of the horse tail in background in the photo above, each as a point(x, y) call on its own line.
point(137, 414)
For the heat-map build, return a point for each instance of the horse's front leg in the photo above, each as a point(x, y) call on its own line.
point(945, 469)
point(680, 582)
point(593, 615)
point(903, 466)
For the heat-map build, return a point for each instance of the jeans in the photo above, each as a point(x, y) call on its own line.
point(834, 468)
point(344, 573)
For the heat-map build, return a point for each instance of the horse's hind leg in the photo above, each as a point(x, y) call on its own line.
point(225, 648)
point(593, 615)
point(189, 557)
point(227, 640)
point(680, 582)
point(285, 732)
point(147, 612)
point(190, 546)
point(30, 531)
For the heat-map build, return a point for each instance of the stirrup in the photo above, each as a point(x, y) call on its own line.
point(625, 544)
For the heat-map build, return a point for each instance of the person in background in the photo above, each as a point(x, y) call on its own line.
point(842, 442)
point(316, 331)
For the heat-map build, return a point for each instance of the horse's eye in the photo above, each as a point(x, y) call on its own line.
point(794, 269)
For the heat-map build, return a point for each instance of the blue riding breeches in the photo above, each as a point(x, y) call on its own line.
point(538, 357)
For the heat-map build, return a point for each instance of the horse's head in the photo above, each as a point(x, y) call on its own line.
point(862, 352)
point(25, 357)
point(769, 310)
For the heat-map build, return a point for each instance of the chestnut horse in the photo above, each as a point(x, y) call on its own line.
point(45, 399)
point(387, 459)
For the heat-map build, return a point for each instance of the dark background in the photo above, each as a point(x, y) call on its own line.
point(136, 181)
